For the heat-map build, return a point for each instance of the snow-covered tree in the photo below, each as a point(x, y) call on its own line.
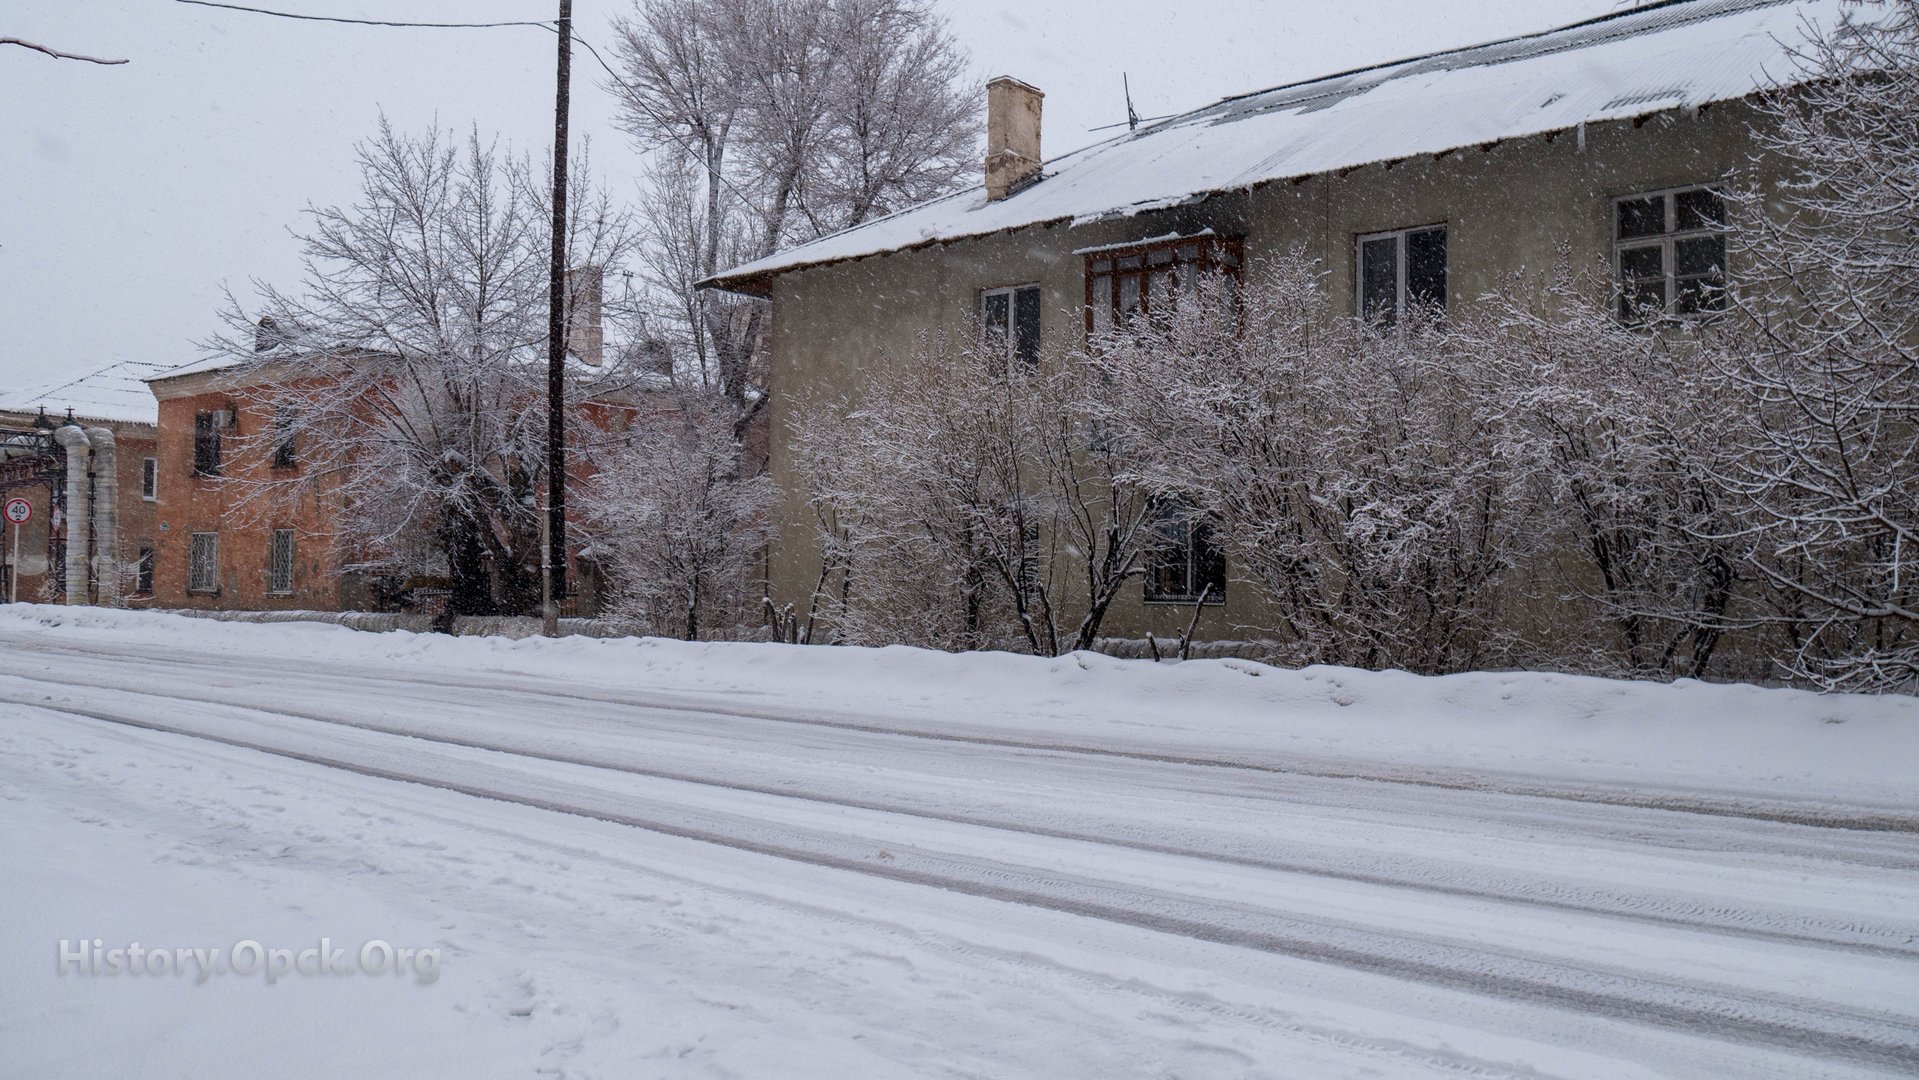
point(963, 505)
point(406, 377)
point(772, 123)
point(1826, 353)
point(1360, 477)
point(679, 524)
point(1624, 432)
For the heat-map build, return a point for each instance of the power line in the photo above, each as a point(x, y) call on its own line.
point(547, 26)
point(359, 22)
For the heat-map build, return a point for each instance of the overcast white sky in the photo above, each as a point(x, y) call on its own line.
point(130, 195)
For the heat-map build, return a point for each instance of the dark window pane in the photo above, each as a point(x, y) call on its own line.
point(1700, 256)
point(143, 573)
point(1379, 280)
point(1026, 326)
point(206, 444)
point(1697, 295)
point(1128, 294)
point(1699, 210)
point(993, 312)
point(1642, 217)
point(1159, 256)
point(1169, 564)
point(1643, 300)
point(1131, 262)
point(1209, 564)
point(1426, 268)
point(1644, 262)
point(1102, 266)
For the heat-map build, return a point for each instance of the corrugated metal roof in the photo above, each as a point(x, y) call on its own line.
point(1682, 53)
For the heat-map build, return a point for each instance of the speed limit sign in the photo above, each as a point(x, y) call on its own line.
point(19, 511)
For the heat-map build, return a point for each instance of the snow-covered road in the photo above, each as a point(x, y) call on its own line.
point(630, 880)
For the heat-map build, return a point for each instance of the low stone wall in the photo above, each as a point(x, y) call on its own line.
point(514, 627)
point(1142, 649)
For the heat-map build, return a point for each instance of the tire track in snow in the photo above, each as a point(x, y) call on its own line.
point(1750, 808)
point(1878, 1040)
point(1859, 936)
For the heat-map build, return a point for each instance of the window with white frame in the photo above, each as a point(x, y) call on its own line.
point(1669, 248)
point(1009, 322)
point(149, 478)
point(1185, 564)
point(280, 562)
point(203, 563)
point(1399, 270)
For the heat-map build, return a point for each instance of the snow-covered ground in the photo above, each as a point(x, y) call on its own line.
point(653, 859)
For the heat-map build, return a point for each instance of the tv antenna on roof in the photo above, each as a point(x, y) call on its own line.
point(1132, 118)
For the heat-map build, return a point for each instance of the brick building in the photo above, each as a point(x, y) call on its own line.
point(230, 538)
point(83, 452)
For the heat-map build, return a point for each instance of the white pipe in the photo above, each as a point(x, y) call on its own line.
point(79, 451)
point(106, 516)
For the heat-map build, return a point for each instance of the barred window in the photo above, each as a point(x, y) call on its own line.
point(1670, 248)
point(280, 562)
point(203, 563)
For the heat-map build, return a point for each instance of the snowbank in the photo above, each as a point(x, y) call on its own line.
point(1505, 730)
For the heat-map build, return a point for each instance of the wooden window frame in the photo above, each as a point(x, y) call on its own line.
point(1214, 254)
point(1400, 290)
point(1667, 241)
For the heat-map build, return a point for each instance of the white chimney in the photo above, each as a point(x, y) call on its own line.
point(1012, 136)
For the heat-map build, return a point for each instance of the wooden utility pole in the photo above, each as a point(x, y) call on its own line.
point(553, 557)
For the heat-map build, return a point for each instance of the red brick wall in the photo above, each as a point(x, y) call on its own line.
point(135, 526)
point(244, 519)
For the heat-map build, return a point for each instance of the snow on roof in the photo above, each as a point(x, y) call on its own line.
point(1679, 53)
point(116, 393)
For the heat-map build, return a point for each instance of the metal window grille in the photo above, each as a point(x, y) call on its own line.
point(203, 563)
point(280, 562)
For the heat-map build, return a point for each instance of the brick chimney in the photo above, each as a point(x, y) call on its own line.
point(1012, 136)
point(585, 320)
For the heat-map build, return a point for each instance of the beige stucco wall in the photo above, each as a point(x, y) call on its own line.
point(1509, 209)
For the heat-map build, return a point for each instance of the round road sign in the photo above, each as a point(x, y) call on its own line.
point(19, 511)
